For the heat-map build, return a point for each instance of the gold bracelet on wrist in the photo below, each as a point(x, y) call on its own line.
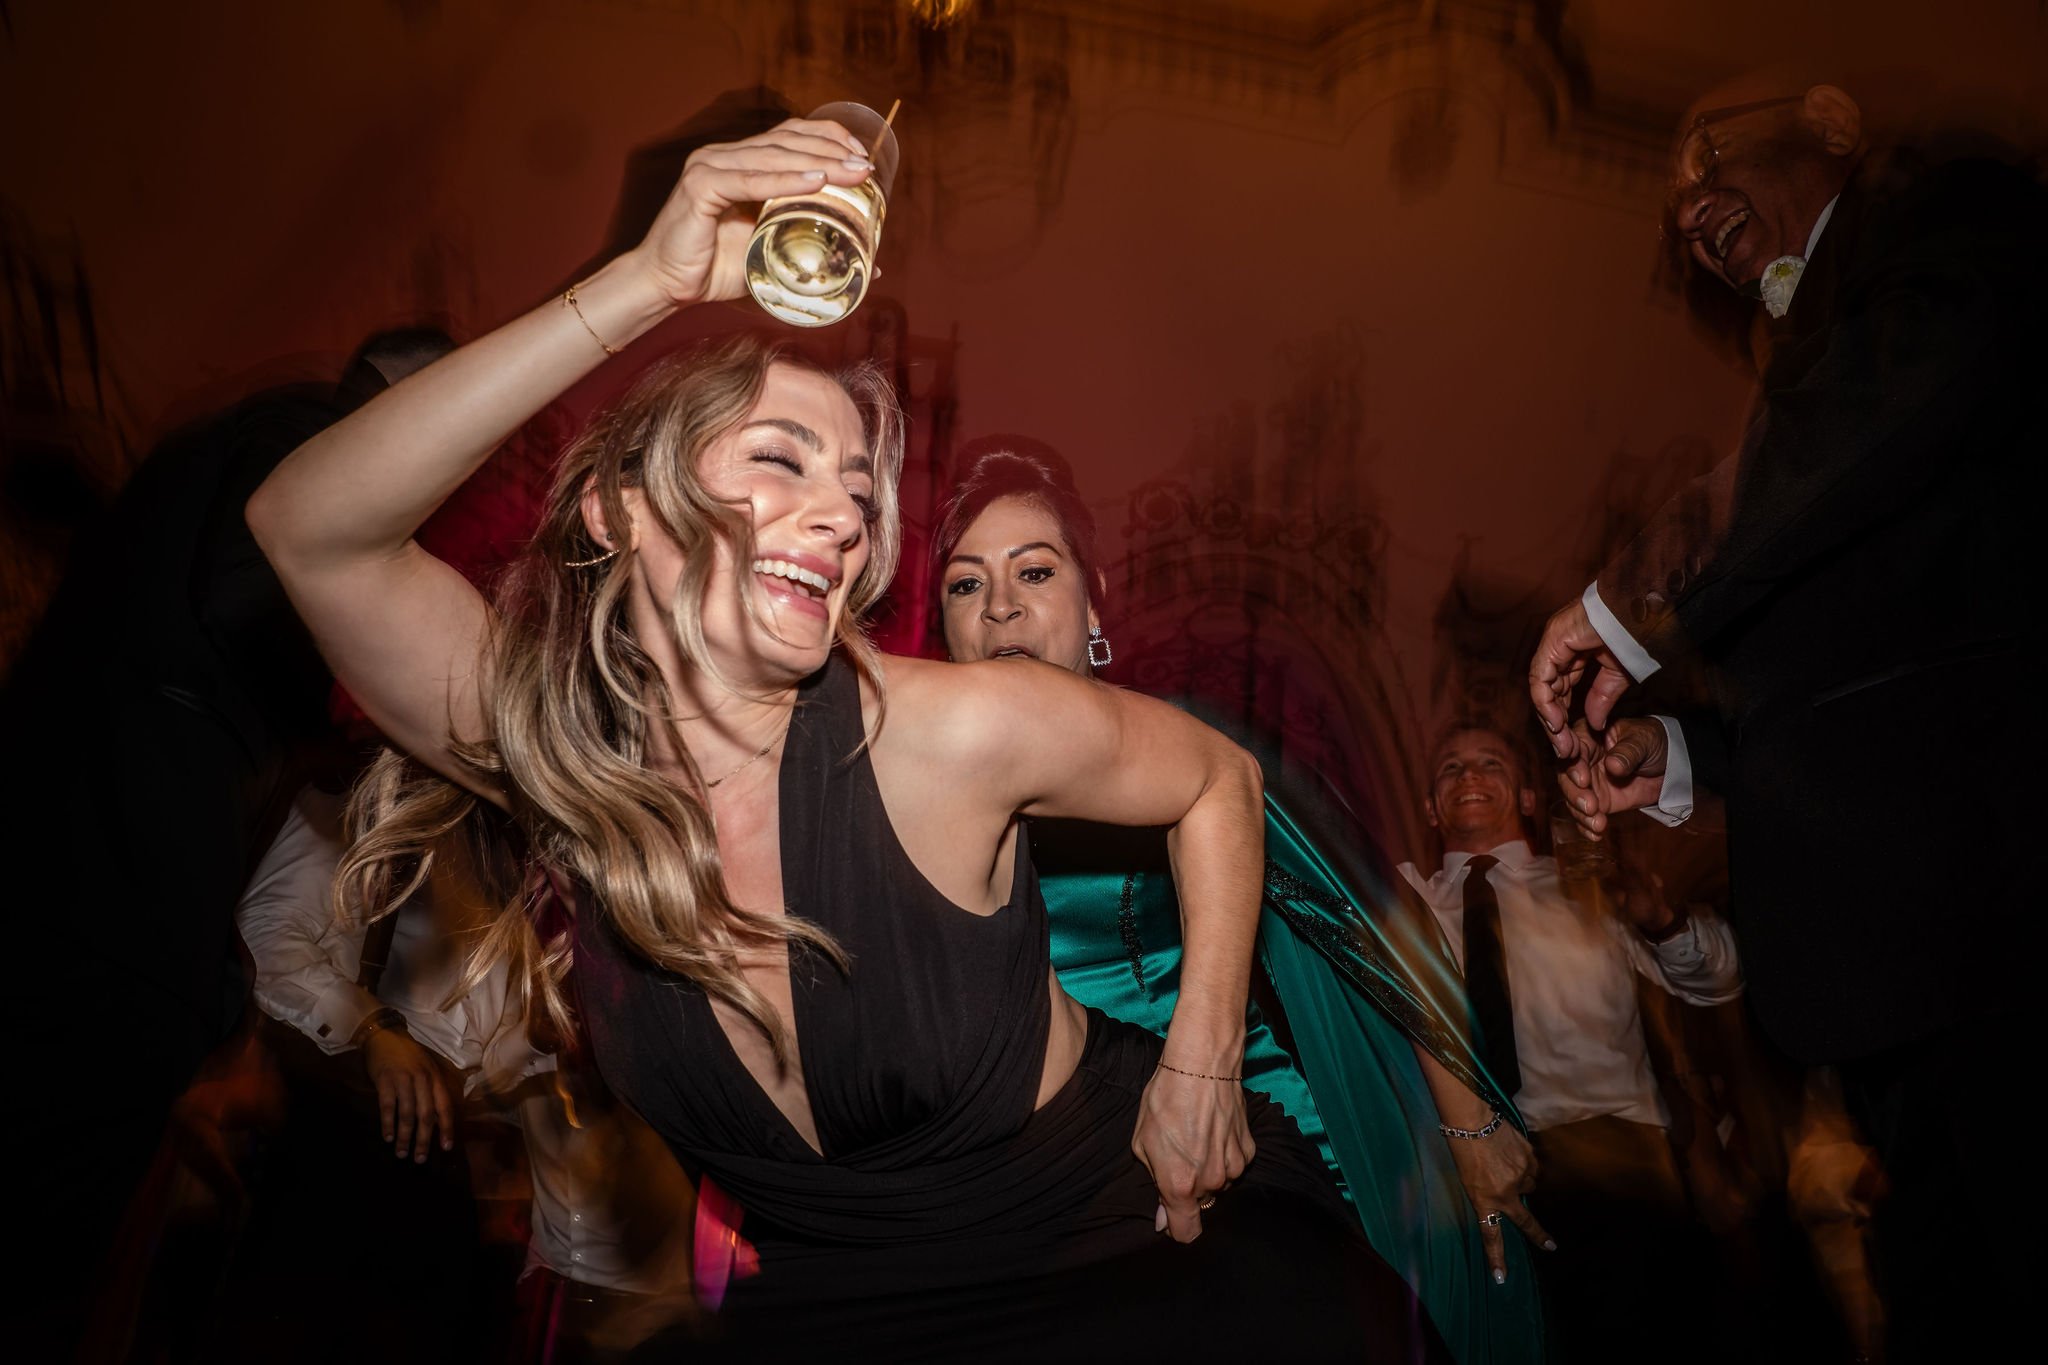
point(569, 297)
point(1200, 1076)
point(383, 1019)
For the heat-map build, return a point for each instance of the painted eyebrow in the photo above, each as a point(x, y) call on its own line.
point(1012, 554)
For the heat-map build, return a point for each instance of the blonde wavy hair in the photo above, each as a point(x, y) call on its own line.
point(572, 700)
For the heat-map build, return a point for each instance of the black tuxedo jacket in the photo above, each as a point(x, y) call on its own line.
point(1861, 577)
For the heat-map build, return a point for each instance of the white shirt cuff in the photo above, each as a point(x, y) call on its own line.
point(1633, 656)
point(320, 1003)
point(1699, 963)
point(1674, 799)
point(1682, 953)
point(337, 1015)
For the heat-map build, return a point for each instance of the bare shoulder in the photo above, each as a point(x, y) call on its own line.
point(923, 706)
point(1017, 735)
point(959, 710)
point(930, 683)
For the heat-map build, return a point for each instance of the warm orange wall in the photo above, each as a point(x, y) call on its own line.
point(249, 181)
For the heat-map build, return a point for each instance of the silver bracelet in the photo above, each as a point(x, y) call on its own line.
point(1491, 1127)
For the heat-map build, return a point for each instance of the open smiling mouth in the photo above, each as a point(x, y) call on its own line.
point(1013, 652)
point(803, 588)
point(1725, 238)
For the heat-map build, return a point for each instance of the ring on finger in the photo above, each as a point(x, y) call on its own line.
point(1206, 1203)
point(1491, 1220)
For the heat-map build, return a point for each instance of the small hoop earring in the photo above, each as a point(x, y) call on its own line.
point(1098, 641)
point(588, 563)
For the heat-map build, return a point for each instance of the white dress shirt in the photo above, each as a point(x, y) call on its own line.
point(1675, 800)
point(307, 964)
point(1572, 974)
point(308, 961)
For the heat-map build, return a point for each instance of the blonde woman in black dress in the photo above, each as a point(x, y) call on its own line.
point(807, 940)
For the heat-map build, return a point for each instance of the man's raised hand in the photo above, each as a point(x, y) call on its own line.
point(1570, 646)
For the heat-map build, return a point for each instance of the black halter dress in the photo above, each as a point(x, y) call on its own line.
point(946, 1218)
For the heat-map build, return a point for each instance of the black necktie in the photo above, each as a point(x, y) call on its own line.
point(1486, 978)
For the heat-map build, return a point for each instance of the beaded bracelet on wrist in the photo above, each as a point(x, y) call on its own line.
point(1200, 1076)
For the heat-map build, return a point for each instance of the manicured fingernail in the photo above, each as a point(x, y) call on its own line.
point(1500, 1277)
point(858, 163)
point(814, 175)
point(1550, 1246)
point(1159, 1220)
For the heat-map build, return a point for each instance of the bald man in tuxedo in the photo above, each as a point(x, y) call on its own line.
point(1857, 578)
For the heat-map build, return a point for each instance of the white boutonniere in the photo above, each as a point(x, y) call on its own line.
point(1779, 282)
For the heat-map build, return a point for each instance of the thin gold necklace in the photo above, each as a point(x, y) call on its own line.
point(748, 762)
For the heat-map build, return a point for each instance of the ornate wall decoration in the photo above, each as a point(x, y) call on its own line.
point(1426, 137)
point(1483, 632)
point(1254, 580)
point(987, 98)
point(1486, 626)
point(990, 89)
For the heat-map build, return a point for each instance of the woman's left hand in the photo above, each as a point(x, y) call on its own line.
point(1496, 1171)
point(1193, 1138)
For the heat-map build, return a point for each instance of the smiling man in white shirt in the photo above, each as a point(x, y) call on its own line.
point(1567, 1040)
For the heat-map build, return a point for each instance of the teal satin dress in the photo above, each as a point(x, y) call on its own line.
point(1354, 987)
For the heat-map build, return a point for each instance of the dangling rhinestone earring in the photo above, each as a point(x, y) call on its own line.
point(1098, 647)
point(587, 563)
